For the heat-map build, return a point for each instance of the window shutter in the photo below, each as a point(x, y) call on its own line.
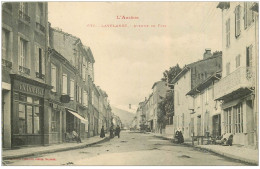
point(43, 62)
point(245, 15)
point(36, 58)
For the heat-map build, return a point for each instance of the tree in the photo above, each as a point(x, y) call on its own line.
point(171, 74)
point(166, 106)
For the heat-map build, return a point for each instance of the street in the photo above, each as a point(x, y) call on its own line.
point(131, 148)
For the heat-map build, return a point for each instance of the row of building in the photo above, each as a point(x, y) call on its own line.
point(48, 84)
point(218, 94)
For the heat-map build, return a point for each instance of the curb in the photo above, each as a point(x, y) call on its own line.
point(241, 159)
point(54, 150)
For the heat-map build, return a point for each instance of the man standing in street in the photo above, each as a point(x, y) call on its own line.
point(118, 131)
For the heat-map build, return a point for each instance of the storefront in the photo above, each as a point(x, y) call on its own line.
point(75, 121)
point(27, 107)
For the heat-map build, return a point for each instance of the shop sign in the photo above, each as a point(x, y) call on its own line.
point(28, 88)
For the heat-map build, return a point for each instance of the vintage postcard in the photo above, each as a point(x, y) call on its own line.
point(130, 83)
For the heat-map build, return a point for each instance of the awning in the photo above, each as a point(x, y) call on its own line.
point(78, 116)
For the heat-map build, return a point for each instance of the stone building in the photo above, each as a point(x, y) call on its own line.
point(190, 76)
point(205, 111)
point(24, 87)
point(237, 88)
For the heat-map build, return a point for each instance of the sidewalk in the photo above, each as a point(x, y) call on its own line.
point(241, 153)
point(31, 151)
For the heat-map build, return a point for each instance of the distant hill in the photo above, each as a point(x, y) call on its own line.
point(125, 116)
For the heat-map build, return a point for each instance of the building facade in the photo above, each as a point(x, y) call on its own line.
point(24, 87)
point(205, 111)
point(236, 89)
point(190, 76)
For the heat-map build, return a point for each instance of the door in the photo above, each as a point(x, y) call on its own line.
point(199, 126)
point(216, 126)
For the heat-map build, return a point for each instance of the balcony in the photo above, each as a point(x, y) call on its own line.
point(24, 16)
point(6, 63)
point(40, 75)
point(40, 27)
point(236, 84)
point(24, 70)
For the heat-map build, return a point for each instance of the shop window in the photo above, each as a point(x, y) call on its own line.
point(238, 118)
point(29, 115)
point(228, 122)
point(29, 121)
point(21, 122)
point(36, 121)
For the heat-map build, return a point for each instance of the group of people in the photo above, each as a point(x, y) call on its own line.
point(179, 137)
point(112, 132)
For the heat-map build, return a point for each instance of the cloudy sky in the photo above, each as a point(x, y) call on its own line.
point(129, 60)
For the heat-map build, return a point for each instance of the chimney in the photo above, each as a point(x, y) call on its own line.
point(207, 53)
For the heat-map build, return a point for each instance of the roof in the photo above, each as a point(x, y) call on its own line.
point(187, 67)
point(157, 83)
point(203, 85)
point(90, 52)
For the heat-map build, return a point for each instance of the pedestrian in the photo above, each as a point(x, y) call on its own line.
point(76, 136)
point(111, 132)
point(176, 137)
point(118, 131)
point(181, 139)
point(102, 133)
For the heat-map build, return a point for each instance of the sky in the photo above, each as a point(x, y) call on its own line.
point(129, 60)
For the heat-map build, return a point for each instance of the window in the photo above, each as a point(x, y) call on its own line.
point(237, 21)
point(228, 33)
point(206, 95)
point(227, 68)
point(83, 72)
point(238, 118)
point(237, 61)
point(29, 115)
point(85, 98)
point(64, 84)
point(249, 56)
point(72, 95)
point(39, 12)
point(80, 95)
point(36, 115)
point(21, 122)
point(23, 54)
point(54, 120)
point(24, 7)
point(54, 77)
point(39, 62)
point(248, 14)
point(5, 44)
point(228, 116)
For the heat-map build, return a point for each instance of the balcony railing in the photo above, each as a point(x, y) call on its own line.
point(40, 75)
point(40, 27)
point(243, 77)
point(24, 16)
point(24, 70)
point(6, 63)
